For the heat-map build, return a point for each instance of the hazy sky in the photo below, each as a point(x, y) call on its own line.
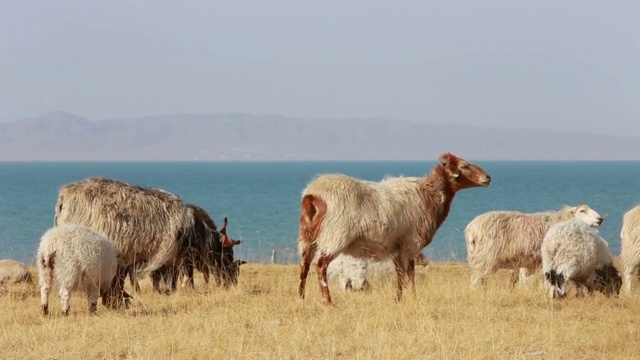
point(570, 65)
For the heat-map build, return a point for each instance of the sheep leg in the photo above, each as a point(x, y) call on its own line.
point(478, 278)
point(217, 277)
point(305, 265)
point(133, 278)
point(401, 274)
point(629, 272)
point(513, 279)
point(155, 280)
point(321, 269)
point(579, 288)
point(189, 271)
point(93, 301)
point(411, 274)
point(205, 275)
point(45, 289)
point(64, 299)
point(170, 280)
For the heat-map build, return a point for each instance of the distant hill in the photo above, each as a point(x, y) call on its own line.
point(60, 136)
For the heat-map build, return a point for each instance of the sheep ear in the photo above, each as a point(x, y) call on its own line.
point(444, 158)
point(240, 262)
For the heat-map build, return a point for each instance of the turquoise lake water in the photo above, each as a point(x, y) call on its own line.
point(261, 199)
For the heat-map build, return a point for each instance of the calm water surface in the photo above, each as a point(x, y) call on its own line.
point(261, 199)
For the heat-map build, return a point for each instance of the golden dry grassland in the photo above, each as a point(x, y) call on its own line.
point(263, 318)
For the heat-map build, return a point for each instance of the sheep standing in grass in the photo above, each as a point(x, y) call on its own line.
point(356, 273)
point(574, 251)
point(512, 239)
point(14, 272)
point(394, 218)
point(74, 257)
point(630, 244)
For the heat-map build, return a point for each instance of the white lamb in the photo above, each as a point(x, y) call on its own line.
point(356, 273)
point(74, 257)
point(573, 250)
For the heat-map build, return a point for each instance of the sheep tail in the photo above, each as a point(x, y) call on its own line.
point(312, 212)
point(48, 264)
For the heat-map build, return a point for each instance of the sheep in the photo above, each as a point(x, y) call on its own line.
point(212, 255)
point(146, 225)
point(14, 272)
point(630, 246)
point(511, 239)
point(74, 257)
point(355, 273)
point(393, 218)
point(572, 250)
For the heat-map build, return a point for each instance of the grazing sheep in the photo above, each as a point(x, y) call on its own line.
point(573, 250)
point(212, 255)
point(14, 272)
point(394, 218)
point(145, 225)
point(74, 257)
point(512, 239)
point(630, 246)
point(355, 273)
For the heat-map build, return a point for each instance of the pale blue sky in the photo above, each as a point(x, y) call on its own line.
point(569, 65)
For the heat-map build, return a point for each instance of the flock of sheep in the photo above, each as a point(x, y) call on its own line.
point(105, 230)
point(359, 223)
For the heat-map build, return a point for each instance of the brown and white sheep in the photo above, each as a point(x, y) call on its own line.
point(74, 257)
point(512, 239)
point(14, 272)
point(394, 218)
point(630, 246)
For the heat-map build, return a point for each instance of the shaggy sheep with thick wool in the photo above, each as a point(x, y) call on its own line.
point(511, 239)
point(394, 218)
point(73, 257)
point(630, 246)
point(573, 250)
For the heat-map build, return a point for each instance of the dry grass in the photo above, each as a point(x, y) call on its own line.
point(264, 319)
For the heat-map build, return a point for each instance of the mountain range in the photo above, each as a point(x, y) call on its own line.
point(62, 136)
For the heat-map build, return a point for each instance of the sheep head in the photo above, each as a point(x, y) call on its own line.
point(463, 174)
point(588, 215)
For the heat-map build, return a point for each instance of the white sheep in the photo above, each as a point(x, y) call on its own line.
point(630, 246)
point(394, 218)
point(573, 250)
point(14, 272)
point(357, 273)
point(511, 239)
point(74, 257)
